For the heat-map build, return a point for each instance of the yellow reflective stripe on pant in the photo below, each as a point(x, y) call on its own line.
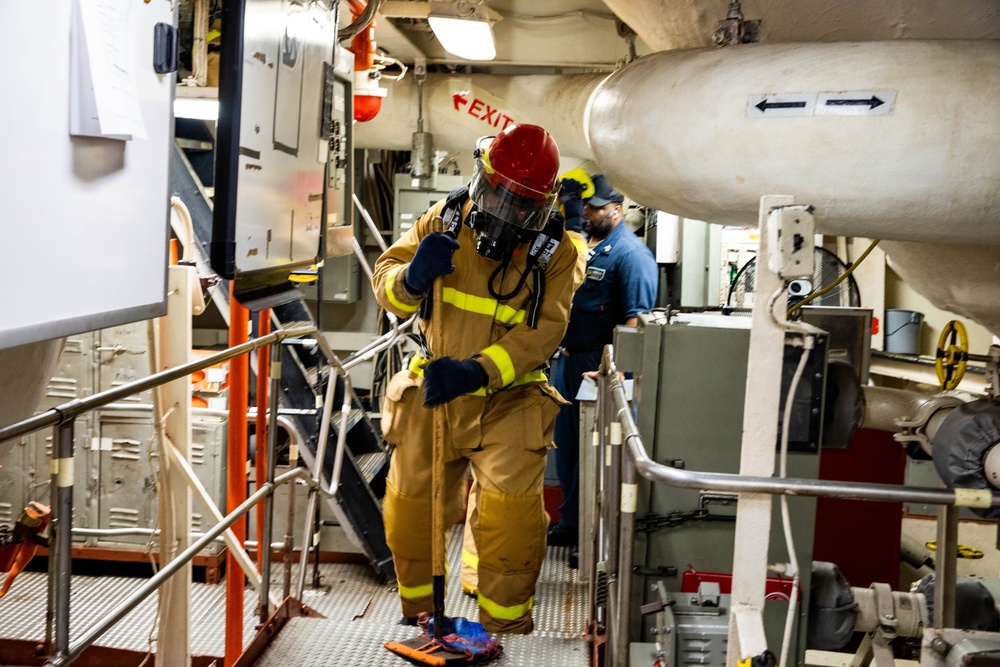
point(503, 361)
point(417, 364)
point(470, 559)
point(416, 592)
point(482, 306)
point(389, 283)
point(511, 613)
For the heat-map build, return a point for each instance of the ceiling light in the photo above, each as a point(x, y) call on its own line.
point(465, 31)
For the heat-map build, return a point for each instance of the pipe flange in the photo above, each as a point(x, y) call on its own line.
point(886, 606)
point(914, 429)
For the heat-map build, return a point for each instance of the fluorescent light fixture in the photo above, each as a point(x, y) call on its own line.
point(196, 107)
point(463, 30)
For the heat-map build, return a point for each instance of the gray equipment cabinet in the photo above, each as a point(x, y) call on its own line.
point(690, 381)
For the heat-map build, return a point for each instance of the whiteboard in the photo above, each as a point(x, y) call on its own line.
point(85, 220)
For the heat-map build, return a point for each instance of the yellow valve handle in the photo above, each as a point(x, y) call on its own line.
point(951, 361)
point(963, 551)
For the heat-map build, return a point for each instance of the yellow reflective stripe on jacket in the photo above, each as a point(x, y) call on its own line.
point(502, 359)
point(482, 306)
point(499, 611)
point(470, 559)
point(417, 364)
point(406, 307)
point(416, 592)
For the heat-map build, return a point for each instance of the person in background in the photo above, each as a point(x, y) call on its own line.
point(508, 276)
point(621, 282)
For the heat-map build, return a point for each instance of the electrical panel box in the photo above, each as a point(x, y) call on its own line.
point(340, 271)
point(791, 230)
point(338, 152)
point(341, 278)
point(412, 200)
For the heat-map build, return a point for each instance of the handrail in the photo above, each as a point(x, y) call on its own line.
point(71, 409)
point(101, 626)
point(378, 345)
point(710, 481)
point(63, 417)
point(638, 461)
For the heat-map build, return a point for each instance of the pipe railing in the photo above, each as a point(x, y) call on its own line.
point(62, 417)
point(72, 409)
point(611, 397)
point(102, 625)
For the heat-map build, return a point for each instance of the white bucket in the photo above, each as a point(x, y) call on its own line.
point(902, 331)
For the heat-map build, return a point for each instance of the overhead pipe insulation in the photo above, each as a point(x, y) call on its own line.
point(687, 24)
point(959, 278)
point(893, 140)
point(458, 109)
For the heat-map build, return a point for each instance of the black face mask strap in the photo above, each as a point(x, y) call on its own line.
point(451, 215)
point(542, 249)
point(536, 301)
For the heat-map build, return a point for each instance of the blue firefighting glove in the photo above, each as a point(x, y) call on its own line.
point(447, 378)
point(569, 197)
point(432, 259)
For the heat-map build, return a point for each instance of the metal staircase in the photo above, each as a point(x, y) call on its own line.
point(358, 503)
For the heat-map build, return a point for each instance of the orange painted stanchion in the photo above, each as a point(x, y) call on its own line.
point(260, 460)
point(236, 475)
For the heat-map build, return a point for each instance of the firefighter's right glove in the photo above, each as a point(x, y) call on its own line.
point(447, 378)
point(569, 197)
point(432, 259)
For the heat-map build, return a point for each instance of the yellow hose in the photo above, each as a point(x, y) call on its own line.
point(836, 282)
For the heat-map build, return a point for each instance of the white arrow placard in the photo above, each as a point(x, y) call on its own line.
point(856, 103)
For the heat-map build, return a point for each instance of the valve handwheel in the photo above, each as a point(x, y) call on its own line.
point(951, 360)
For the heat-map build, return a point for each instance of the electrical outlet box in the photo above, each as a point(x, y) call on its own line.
point(790, 233)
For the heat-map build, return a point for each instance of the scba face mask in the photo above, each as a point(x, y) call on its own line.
point(495, 238)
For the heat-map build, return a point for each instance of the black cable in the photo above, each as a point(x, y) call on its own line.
point(503, 268)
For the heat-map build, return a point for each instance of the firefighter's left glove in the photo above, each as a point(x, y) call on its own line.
point(432, 259)
point(447, 378)
point(570, 191)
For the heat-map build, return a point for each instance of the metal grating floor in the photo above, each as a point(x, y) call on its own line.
point(361, 615)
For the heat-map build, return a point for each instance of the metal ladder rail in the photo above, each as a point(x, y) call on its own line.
point(358, 505)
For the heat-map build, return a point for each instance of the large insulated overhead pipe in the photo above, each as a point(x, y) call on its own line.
point(458, 109)
point(894, 140)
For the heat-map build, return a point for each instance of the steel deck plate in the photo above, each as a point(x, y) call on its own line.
point(361, 615)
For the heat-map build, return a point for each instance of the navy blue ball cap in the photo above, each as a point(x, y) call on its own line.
point(604, 194)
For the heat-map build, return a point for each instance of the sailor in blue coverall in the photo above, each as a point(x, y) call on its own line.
point(621, 282)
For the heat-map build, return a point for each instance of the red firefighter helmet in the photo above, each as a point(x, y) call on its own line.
point(515, 176)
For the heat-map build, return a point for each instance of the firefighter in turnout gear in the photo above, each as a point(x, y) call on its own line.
point(508, 282)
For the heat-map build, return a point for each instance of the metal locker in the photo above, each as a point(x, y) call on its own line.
point(127, 483)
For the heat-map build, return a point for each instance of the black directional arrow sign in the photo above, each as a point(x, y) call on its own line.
point(871, 103)
point(764, 105)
